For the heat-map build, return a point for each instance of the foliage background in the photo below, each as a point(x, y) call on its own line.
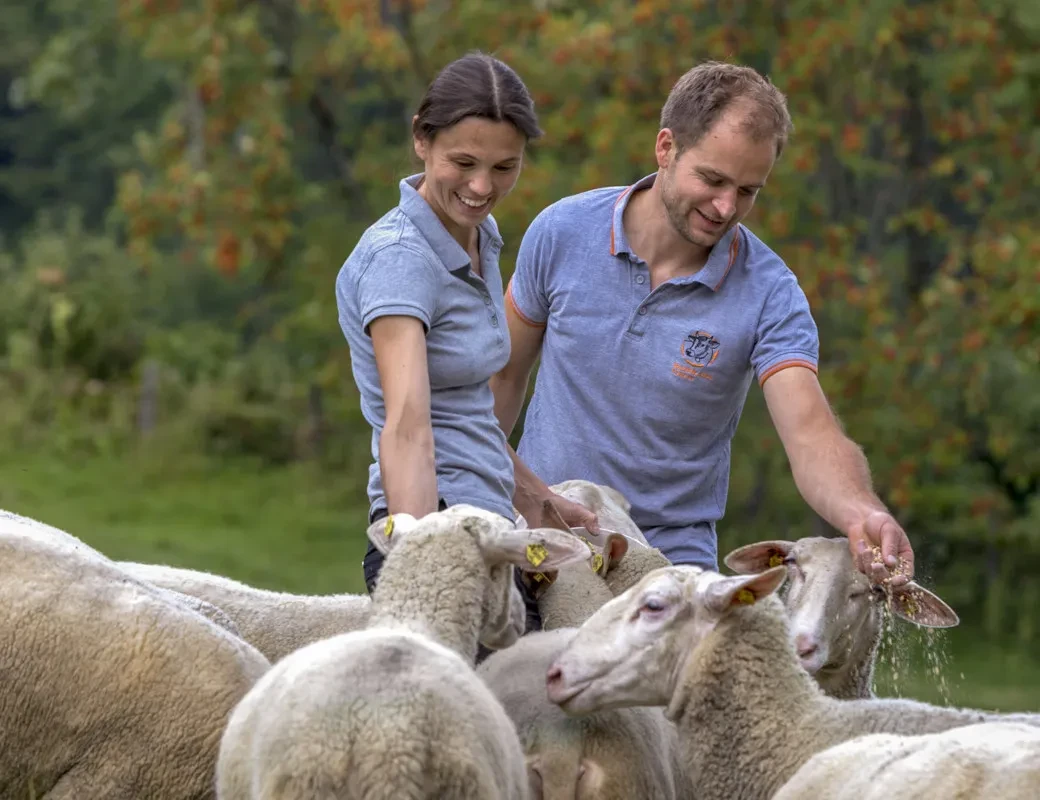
point(180, 181)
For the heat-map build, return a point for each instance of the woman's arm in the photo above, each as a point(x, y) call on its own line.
point(406, 456)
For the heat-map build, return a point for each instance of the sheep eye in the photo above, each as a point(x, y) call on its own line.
point(788, 560)
point(653, 604)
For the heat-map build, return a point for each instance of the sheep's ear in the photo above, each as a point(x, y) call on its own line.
point(758, 557)
point(613, 551)
point(726, 592)
point(913, 603)
point(535, 549)
point(385, 533)
point(607, 549)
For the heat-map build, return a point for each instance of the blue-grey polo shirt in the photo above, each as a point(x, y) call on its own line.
point(407, 263)
point(643, 390)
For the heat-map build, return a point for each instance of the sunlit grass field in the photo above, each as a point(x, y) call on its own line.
point(302, 529)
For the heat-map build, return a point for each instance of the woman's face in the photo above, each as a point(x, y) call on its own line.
point(470, 167)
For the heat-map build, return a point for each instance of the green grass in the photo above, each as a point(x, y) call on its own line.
point(303, 529)
point(294, 529)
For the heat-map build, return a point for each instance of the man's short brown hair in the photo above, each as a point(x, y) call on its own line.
point(701, 96)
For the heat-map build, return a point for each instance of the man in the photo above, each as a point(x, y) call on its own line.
point(652, 309)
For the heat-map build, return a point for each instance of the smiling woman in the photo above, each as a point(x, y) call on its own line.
point(469, 167)
point(421, 304)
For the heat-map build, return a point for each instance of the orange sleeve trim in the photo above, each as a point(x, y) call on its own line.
point(793, 362)
point(520, 314)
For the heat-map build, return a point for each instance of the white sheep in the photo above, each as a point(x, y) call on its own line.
point(611, 506)
point(631, 556)
point(571, 597)
point(275, 623)
point(717, 652)
point(836, 615)
point(988, 760)
point(567, 597)
point(617, 753)
point(396, 710)
point(111, 688)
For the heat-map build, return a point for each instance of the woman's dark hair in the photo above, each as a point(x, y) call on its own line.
point(476, 85)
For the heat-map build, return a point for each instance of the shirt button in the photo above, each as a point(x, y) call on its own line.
point(640, 279)
point(494, 322)
point(487, 300)
point(642, 311)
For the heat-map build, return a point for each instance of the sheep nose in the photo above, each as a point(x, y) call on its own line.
point(805, 644)
point(554, 675)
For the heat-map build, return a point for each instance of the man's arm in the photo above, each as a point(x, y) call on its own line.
point(833, 475)
point(510, 384)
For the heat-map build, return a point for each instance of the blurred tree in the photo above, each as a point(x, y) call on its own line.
point(906, 202)
point(72, 90)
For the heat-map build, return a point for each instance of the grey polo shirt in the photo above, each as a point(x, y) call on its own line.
point(407, 263)
point(643, 390)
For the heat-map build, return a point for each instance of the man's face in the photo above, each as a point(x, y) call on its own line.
point(712, 186)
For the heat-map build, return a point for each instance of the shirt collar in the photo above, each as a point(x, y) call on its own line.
point(721, 258)
point(449, 251)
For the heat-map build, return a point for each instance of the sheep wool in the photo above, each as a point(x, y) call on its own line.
point(112, 688)
point(989, 760)
point(613, 754)
point(275, 623)
point(396, 710)
point(717, 652)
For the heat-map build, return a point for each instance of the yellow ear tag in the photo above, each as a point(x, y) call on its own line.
point(776, 560)
point(597, 562)
point(536, 554)
point(745, 597)
point(388, 526)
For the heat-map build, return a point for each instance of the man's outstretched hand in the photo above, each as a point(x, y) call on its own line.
point(881, 550)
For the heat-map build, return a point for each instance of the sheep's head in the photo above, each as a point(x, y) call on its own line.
point(612, 508)
point(500, 547)
point(608, 546)
point(631, 652)
point(834, 610)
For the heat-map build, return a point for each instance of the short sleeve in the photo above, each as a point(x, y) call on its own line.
point(528, 291)
point(397, 281)
point(787, 335)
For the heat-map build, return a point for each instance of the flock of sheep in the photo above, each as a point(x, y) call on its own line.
point(123, 680)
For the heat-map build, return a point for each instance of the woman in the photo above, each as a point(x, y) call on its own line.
point(421, 305)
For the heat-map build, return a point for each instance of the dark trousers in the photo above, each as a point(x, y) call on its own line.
point(373, 563)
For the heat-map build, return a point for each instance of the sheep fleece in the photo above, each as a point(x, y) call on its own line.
point(109, 689)
point(378, 715)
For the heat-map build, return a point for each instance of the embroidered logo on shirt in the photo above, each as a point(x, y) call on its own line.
point(699, 351)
